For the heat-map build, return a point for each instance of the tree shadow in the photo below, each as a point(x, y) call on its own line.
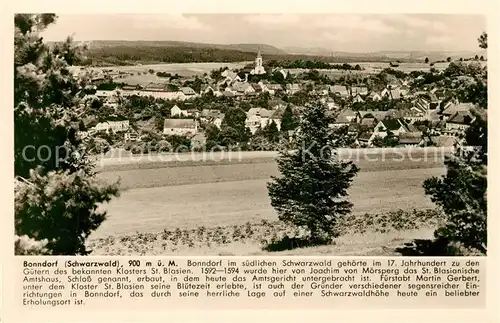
point(287, 243)
point(429, 248)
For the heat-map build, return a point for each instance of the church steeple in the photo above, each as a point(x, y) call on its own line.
point(259, 69)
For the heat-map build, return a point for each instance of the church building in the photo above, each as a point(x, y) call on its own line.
point(259, 69)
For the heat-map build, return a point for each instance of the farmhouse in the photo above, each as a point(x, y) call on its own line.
point(180, 127)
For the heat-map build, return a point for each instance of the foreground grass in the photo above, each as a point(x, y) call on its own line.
point(362, 235)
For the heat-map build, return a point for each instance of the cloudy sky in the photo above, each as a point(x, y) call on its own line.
point(337, 32)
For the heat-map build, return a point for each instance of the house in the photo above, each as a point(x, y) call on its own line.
point(379, 115)
point(257, 118)
point(391, 94)
point(180, 127)
point(207, 114)
point(256, 87)
point(365, 139)
point(188, 92)
point(395, 126)
point(277, 104)
point(217, 121)
point(292, 88)
point(339, 90)
point(361, 90)
point(283, 72)
point(131, 136)
point(461, 120)
point(322, 89)
point(102, 94)
point(410, 139)
point(404, 90)
point(452, 107)
point(115, 126)
point(175, 111)
point(206, 88)
point(195, 113)
point(368, 122)
point(230, 77)
point(349, 115)
point(357, 99)
point(272, 88)
point(243, 88)
point(374, 96)
point(340, 121)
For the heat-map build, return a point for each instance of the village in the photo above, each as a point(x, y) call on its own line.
point(389, 109)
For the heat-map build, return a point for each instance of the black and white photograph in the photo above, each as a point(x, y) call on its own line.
point(250, 134)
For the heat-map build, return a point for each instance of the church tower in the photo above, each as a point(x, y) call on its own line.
point(259, 69)
point(258, 60)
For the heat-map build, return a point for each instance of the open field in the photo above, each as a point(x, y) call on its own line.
point(190, 196)
point(183, 69)
point(236, 202)
point(193, 69)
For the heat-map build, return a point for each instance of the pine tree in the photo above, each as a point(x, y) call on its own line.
point(313, 185)
point(271, 132)
point(461, 193)
point(288, 121)
point(56, 198)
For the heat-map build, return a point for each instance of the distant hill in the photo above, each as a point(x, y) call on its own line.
point(120, 52)
point(250, 48)
point(384, 55)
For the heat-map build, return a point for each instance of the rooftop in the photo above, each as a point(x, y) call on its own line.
point(179, 123)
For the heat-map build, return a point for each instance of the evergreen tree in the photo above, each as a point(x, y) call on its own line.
point(313, 185)
point(271, 132)
point(56, 192)
point(288, 121)
point(461, 193)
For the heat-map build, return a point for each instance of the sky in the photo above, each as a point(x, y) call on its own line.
point(336, 32)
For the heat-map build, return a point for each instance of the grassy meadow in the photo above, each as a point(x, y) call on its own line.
point(205, 207)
